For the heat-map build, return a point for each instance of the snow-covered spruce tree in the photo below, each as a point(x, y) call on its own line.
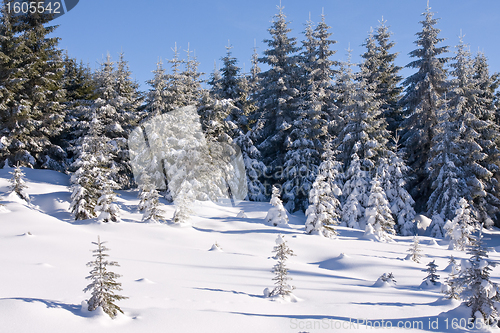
point(18, 184)
point(420, 103)
point(377, 213)
point(106, 209)
point(392, 173)
point(452, 290)
point(415, 250)
point(155, 98)
point(355, 192)
point(282, 253)
point(175, 83)
point(278, 89)
point(103, 285)
point(489, 136)
point(84, 187)
point(152, 212)
point(277, 215)
point(324, 206)
point(446, 170)
point(32, 93)
point(461, 227)
point(310, 117)
point(470, 104)
point(479, 293)
point(431, 270)
point(384, 73)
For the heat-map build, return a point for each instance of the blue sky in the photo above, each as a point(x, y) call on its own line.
point(147, 30)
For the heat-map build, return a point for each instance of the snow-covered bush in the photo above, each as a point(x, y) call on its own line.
point(103, 282)
point(281, 272)
point(18, 185)
point(277, 214)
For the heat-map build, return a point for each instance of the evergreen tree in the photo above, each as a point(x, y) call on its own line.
point(278, 90)
point(175, 83)
point(155, 99)
point(415, 250)
point(18, 184)
point(103, 285)
point(449, 184)
point(32, 108)
point(355, 191)
point(105, 209)
point(149, 203)
point(384, 73)
point(461, 227)
point(283, 252)
point(277, 215)
point(452, 290)
point(420, 103)
point(431, 270)
point(479, 292)
point(392, 172)
point(378, 213)
point(324, 210)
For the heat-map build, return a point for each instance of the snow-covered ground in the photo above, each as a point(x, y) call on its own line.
point(176, 284)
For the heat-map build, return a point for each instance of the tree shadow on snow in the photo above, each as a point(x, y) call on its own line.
point(73, 308)
point(231, 291)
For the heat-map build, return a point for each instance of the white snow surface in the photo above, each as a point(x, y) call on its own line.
point(175, 285)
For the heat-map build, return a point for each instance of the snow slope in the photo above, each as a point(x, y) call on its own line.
point(176, 284)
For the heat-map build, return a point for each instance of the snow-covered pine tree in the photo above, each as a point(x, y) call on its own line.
point(415, 250)
point(420, 103)
point(103, 285)
point(378, 213)
point(18, 184)
point(282, 253)
point(446, 170)
point(190, 80)
point(277, 215)
point(385, 75)
point(106, 209)
point(452, 289)
point(175, 83)
point(461, 227)
point(479, 293)
point(465, 100)
point(392, 172)
point(152, 212)
point(489, 136)
point(431, 270)
point(310, 117)
point(355, 192)
point(278, 89)
point(155, 98)
point(32, 88)
point(324, 210)
point(85, 190)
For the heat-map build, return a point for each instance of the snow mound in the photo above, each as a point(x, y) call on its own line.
point(382, 284)
point(216, 248)
point(428, 285)
point(27, 234)
point(44, 264)
point(432, 242)
point(242, 215)
point(144, 280)
point(370, 234)
point(3, 209)
point(290, 298)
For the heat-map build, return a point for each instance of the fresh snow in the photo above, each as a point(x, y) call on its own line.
point(175, 284)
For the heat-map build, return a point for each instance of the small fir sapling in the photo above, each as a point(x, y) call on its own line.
point(415, 250)
point(388, 277)
point(103, 282)
point(431, 270)
point(281, 272)
point(277, 214)
point(18, 184)
point(151, 210)
point(452, 289)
